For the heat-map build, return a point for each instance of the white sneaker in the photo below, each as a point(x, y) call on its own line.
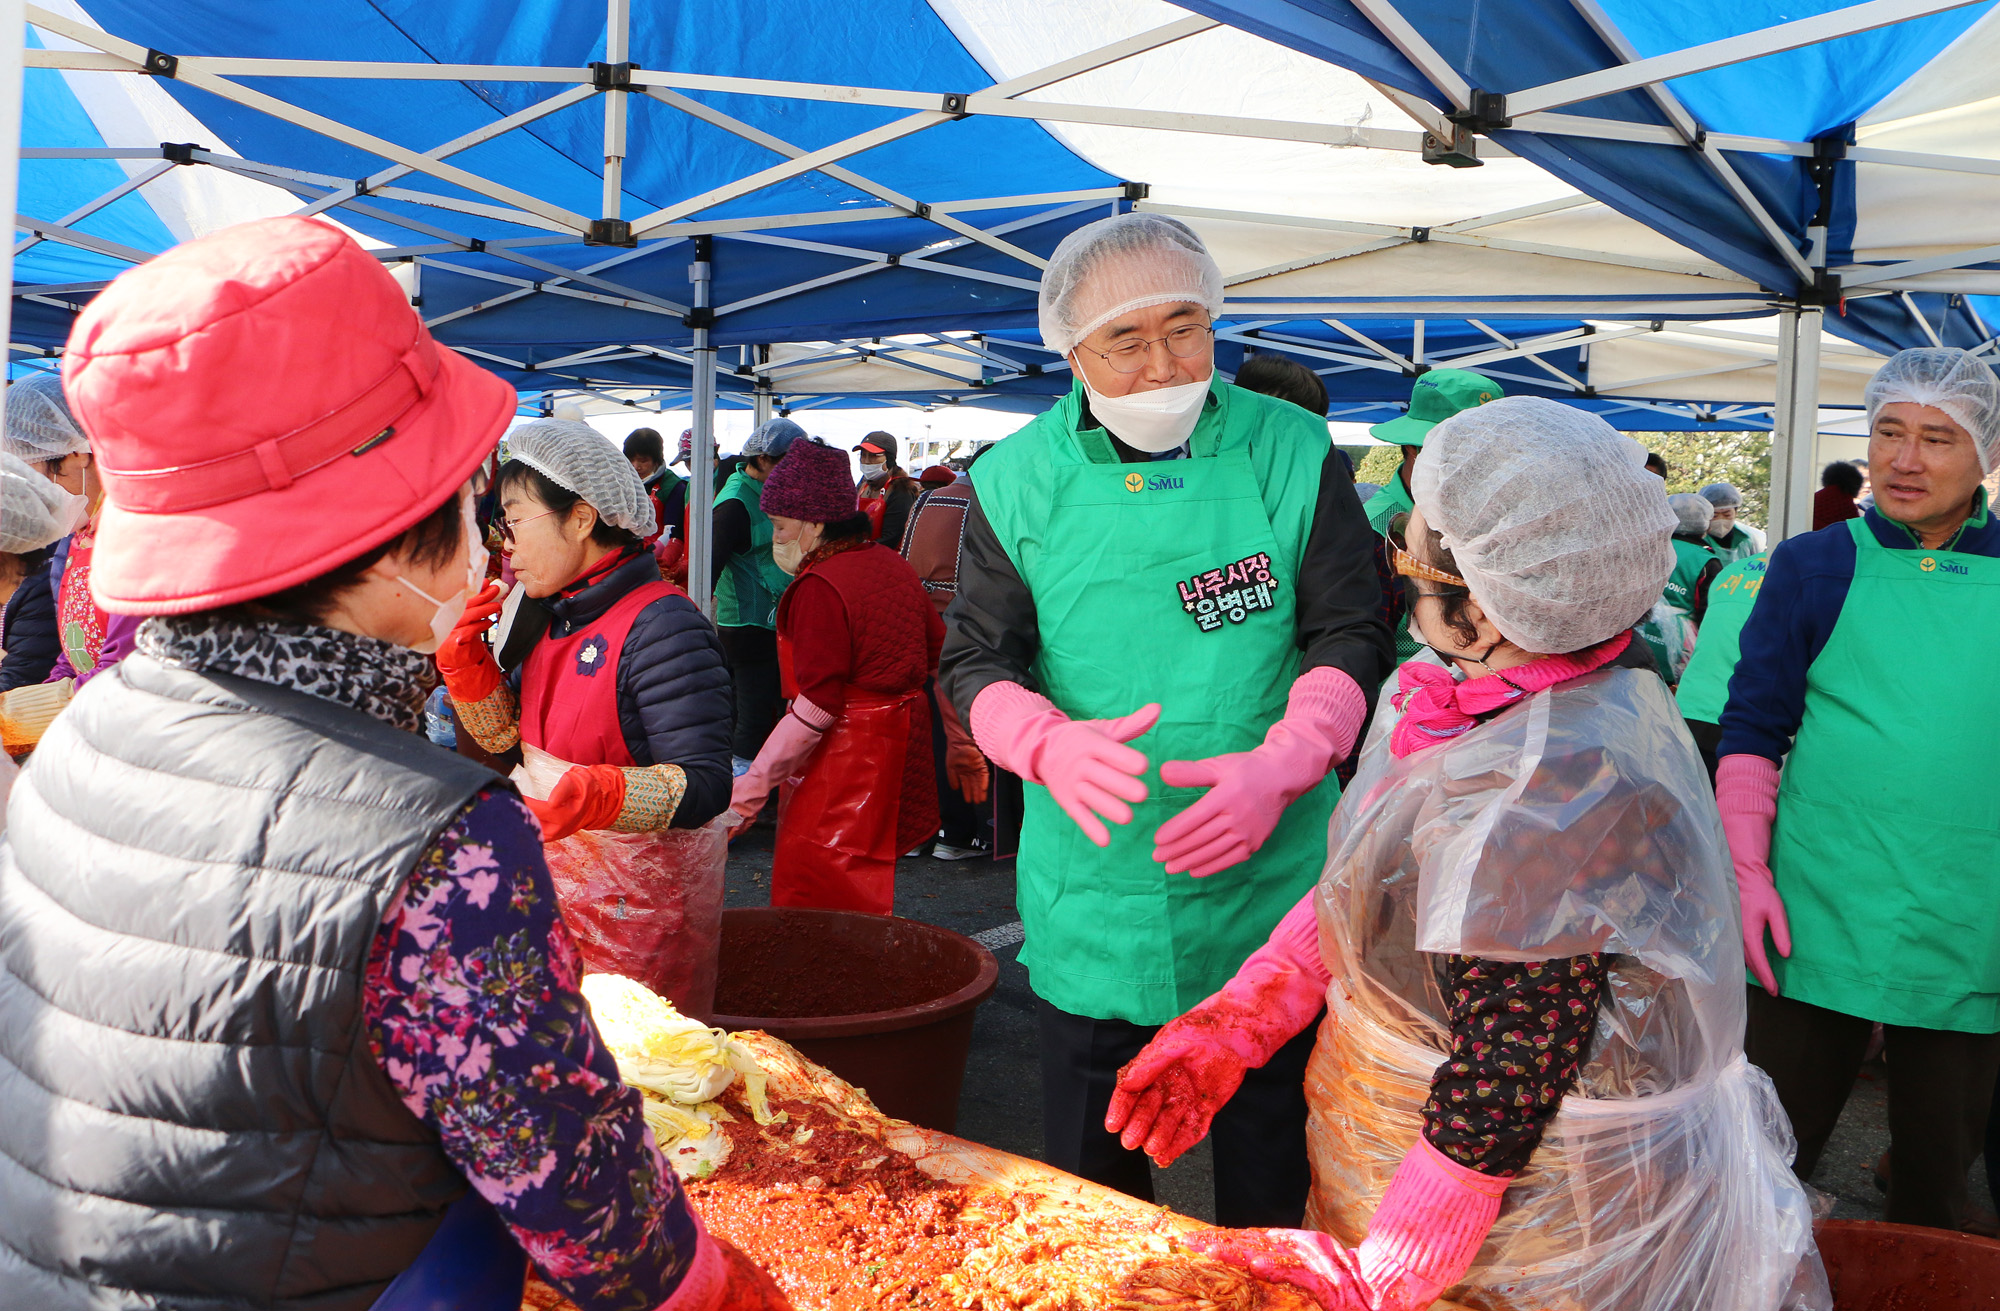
point(945, 851)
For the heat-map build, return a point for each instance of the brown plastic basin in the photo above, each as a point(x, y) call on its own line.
point(885, 1003)
point(1883, 1267)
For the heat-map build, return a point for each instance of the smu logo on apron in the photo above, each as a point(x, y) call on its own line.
point(1159, 482)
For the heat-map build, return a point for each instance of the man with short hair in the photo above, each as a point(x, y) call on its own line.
point(1866, 670)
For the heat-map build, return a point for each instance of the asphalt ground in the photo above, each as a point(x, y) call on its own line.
point(1001, 1103)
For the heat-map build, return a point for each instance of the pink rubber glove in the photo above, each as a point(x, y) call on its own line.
point(1082, 762)
point(1170, 1092)
point(1746, 792)
point(722, 1278)
point(1427, 1228)
point(1249, 790)
point(784, 752)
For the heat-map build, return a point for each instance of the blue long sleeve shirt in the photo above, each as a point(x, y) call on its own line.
point(1797, 608)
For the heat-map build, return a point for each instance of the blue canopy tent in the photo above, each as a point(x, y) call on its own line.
point(1835, 158)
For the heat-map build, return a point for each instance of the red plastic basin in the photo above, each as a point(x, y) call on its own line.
point(1883, 1267)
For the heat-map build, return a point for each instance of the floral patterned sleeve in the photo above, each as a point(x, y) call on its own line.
point(1520, 1031)
point(473, 1011)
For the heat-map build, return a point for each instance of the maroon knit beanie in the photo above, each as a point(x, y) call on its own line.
point(812, 482)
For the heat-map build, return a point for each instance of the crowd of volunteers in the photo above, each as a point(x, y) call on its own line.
point(1508, 867)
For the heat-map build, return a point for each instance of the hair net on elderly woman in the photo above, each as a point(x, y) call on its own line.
point(1694, 511)
point(578, 457)
point(1120, 264)
point(1946, 379)
point(1561, 534)
point(39, 425)
point(32, 507)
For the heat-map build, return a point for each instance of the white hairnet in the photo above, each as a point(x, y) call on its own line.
point(578, 457)
point(31, 507)
point(1944, 379)
point(1722, 496)
point(1561, 534)
point(1696, 513)
point(39, 424)
point(772, 437)
point(1122, 263)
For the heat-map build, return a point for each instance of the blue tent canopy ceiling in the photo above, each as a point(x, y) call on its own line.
point(1815, 93)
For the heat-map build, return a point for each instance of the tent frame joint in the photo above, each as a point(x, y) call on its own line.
point(701, 316)
point(179, 152)
point(610, 232)
point(1485, 113)
point(612, 77)
point(161, 64)
point(954, 103)
point(1823, 293)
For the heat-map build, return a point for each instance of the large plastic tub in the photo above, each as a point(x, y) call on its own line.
point(1883, 1267)
point(885, 1003)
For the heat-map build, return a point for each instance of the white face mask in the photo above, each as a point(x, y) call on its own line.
point(790, 555)
point(1152, 421)
point(451, 609)
point(70, 511)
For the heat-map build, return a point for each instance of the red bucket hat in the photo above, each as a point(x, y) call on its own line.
point(264, 405)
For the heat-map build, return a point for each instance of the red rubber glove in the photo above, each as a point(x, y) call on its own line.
point(1082, 762)
point(965, 766)
point(471, 674)
point(1170, 1092)
point(586, 796)
point(671, 553)
point(1249, 790)
point(1746, 793)
point(721, 1278)
point(1427, 1229)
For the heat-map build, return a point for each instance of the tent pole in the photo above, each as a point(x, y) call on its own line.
point(765, 406)
point(701, 469)
point(1795, 439)
point(13, 26)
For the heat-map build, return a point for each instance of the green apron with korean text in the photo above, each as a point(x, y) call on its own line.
point(746, 596)
point(1704, 688)
point(1887, 843)
point(1172, 581)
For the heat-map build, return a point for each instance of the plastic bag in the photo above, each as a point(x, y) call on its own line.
point(1670, 635)
point(1579, 820)
point(644, 905)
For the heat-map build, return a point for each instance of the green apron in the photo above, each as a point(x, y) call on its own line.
point(1384, 505)
point(1171, 581)
point(1670, 636)
point(1704, 688)
point(746, 596)
point(1739, 545)
point(1887, 843)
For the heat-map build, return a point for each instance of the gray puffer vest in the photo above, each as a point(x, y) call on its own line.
point(195, 868)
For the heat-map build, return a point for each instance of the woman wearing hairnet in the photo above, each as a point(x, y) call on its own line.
point(1669, 631)
point(1162, 570)
point(620, 706)
point(1866, 672)
point(34, 511)
point(41, 433)
point(1515, 939)
point(1732, 540)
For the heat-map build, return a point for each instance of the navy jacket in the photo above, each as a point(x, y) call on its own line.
point(31, 633)
point(1796, 609)
point(674, 699)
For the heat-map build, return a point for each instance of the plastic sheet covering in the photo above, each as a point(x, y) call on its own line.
point(1580, 820)
point(1670, 635)
point(644, 905)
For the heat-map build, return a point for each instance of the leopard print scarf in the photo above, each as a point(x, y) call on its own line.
point(362, 673)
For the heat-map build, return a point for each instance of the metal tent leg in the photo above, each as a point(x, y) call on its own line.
point(13, 26)
point(1795, 438)
point(701, 470)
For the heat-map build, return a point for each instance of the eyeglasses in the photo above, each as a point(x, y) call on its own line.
point(1130, 355)
point(507, 526)
point(1407, 565)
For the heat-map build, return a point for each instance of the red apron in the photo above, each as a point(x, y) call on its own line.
point(843, 855)
point(644, 905)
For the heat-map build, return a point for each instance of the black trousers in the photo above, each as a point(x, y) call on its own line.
point(1707, 737)
point(1940, 1093)
point(1262, 1175)
point(752, 654)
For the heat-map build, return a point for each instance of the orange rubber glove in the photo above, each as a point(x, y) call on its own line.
point(588, 796)
point(967, 770)
point(471, 674)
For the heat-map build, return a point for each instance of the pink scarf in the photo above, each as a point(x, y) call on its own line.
point(1437, 707)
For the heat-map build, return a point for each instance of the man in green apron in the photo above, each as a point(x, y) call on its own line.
point(1669, 629)
point(1435, 397)
point(1867, 670)
point(1166, 561)
point(1731, 540)
point(747, 585)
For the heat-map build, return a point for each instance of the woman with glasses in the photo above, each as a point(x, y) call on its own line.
point(621, 705)
point(1529, 999)
point(288, 1016)
point(1166, 624)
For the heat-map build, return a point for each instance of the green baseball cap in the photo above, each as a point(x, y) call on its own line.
point(1437, 396)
